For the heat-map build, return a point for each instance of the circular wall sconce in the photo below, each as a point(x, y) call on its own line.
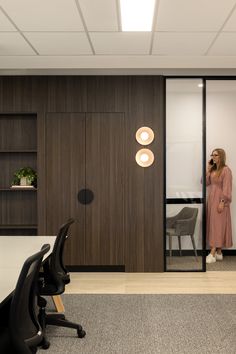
point(144, 135)
point(144, 157)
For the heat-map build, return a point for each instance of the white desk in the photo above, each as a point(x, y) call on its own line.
point(13, 252)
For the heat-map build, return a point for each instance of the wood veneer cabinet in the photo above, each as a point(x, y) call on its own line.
point(18, 148)
point(87, 151)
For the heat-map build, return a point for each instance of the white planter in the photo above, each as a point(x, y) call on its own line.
point(24, 181)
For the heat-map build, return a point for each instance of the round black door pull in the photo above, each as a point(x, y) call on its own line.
point(85, 196)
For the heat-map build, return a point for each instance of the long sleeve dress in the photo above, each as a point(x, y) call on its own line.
point(219, 229)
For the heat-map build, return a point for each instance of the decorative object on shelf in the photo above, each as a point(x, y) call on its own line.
point(144, 135)
point(144, 157)
point(25, 177)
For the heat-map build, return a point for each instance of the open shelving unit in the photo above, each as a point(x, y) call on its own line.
point(18, 148)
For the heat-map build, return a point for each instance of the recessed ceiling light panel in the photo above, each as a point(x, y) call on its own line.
point(137, 15)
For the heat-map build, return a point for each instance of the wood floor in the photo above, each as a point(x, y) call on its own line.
point(215, 282)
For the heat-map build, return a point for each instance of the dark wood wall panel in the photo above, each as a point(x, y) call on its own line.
point(14, 213)
point(67, 94)
point(65, 176)
point(107, 94)
point(144, 201)
point(18, 132)
point(23, 94)
point(106, 177)
point(154, 183)
point(140, 99)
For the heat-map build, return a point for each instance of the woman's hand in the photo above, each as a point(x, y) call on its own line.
point(221, 207)
point(209, 166)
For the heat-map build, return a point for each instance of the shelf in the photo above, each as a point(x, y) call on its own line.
point(18, 148)
point(18, 189)
point(18, 227)
point(18, 151)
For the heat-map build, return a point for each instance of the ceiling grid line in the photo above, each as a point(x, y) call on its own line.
point(220, 30)
point(155, 15)
point(85, 26)
point(118, 12)
point(18, 30)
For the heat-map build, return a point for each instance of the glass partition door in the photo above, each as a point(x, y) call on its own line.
point(184, 170)
point(220, 128)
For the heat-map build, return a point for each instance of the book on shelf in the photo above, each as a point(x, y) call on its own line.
point(22, 187)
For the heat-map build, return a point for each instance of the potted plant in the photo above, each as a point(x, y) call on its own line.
point(25, 176)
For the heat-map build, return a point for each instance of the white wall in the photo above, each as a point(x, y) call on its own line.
point(221, 128)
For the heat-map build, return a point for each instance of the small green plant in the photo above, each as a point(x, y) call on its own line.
point(27, 172)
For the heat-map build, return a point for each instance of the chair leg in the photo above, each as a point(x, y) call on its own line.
point(194, 246)
point(58, 303)
point(170, 245)
point(45, 344)
point(58, 320)
point(180, 250)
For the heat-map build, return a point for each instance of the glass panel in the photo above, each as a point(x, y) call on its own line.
point(220, 128)
point(184, 257)
point(184, 165)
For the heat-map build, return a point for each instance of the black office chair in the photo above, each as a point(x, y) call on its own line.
point(21, 332)
point(52, 282)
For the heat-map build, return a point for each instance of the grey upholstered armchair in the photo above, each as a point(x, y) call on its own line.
point(182, 224)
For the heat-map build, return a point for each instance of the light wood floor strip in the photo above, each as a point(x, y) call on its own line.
point(153, 283)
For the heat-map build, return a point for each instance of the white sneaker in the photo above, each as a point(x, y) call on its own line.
point(219, 257)
point(210, 259)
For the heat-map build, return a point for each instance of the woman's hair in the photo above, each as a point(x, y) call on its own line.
point(222, 160)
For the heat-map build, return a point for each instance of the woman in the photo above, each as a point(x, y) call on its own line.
point(219, 182)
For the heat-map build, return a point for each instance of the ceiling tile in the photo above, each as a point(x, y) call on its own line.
point(192, 15)
point(100, 15)
point(121, 43)
point(5, 24)
point(14, 44)
point(231, 23)
point(59, 43)
point(172, 43)
point(225, 45)
point(44, 15)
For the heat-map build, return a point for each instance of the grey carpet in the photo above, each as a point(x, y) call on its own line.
point(186, 263)
point(150, 324)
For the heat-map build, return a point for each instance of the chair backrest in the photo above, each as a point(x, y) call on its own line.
point(190, 214)
point(25, 330)
point(55, 273)
point(57, 254)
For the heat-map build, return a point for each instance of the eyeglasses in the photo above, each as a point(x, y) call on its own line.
point(214, 155)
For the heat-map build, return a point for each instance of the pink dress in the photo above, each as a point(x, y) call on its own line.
point(219, 230)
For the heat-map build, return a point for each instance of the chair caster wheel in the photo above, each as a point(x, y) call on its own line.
point(81, 333)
